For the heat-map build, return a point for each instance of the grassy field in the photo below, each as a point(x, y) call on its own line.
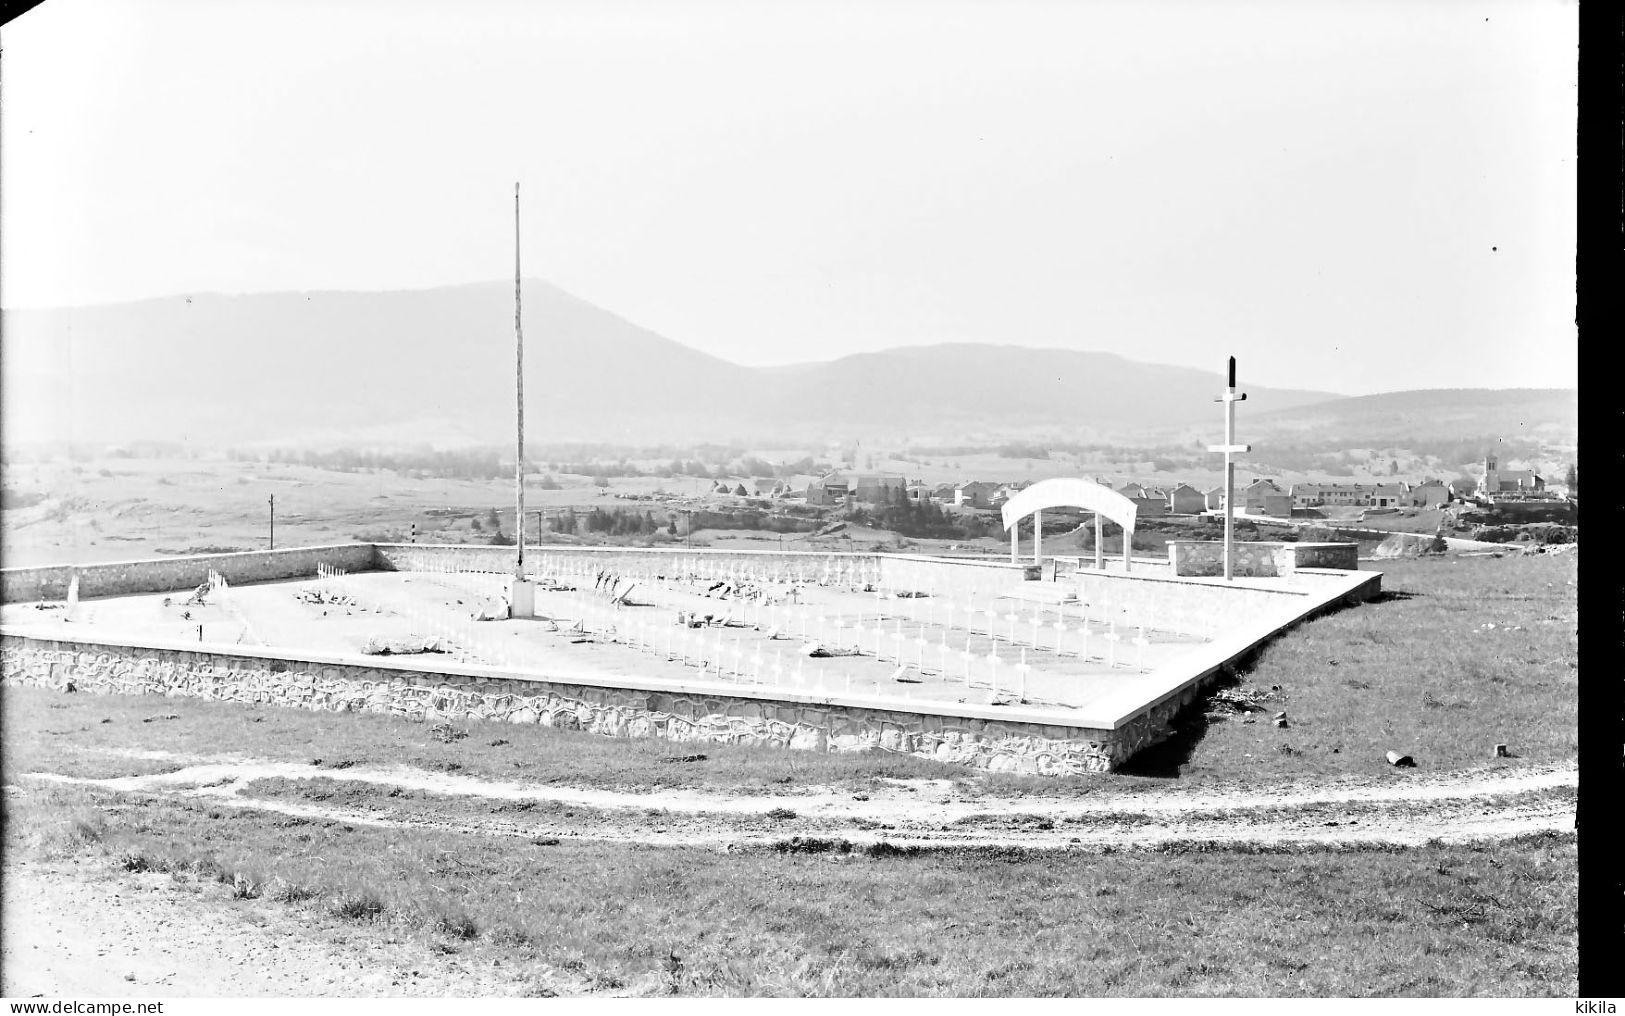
point(1189, 920)
point(1457, 656)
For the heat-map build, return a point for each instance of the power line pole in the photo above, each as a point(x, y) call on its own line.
point(1230, 448)
point(273, 521)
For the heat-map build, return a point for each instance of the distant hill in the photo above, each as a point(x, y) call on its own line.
point(436, 366)
point(1546, 415)
point(1014, 387)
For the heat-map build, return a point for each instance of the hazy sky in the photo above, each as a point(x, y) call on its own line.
point(1352, 196)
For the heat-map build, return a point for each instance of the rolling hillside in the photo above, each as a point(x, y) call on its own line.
point(436, 366)
point(1547, 415)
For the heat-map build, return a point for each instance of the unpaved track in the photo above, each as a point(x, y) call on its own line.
point(72, 931)
point(1477, 805)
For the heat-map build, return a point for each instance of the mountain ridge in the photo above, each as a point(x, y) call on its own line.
point(332, 365)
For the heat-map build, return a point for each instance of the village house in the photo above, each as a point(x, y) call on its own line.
point(1186, 500)
point(829, 489)
point(1264, 497)
point(878, 488)
point(1333, 495)
point(975, 494)
point(1131, 490)
point(1307, 495)
point(1151, 503)
point(1388, 495)
point(1428, 494)
point(1213, 497)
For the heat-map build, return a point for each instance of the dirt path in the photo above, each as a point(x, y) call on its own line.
point(1485, 804)
point(73, 930)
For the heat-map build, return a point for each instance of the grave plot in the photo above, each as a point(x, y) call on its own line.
point(832, 630)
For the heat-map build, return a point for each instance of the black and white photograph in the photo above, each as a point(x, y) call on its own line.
point(598, 499)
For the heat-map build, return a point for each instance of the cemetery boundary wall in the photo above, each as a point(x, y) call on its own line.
point(162, 575)
point(1237, 616)
point(1004, 740)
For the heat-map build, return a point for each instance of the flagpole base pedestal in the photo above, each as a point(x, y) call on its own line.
point(522, 598)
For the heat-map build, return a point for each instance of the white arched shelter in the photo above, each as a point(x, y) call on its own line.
point(1071, 493)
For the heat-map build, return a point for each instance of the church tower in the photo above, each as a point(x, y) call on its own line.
point(1492, 479)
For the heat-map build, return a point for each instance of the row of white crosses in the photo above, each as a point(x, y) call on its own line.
point(444, 622)
point(767, 597)
point(727, 659)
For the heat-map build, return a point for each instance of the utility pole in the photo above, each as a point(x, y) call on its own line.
point(273, 521)
point(1230, 448)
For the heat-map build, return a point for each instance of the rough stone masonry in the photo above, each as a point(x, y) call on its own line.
point(1001, 746)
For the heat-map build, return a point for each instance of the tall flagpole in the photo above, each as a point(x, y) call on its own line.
point(519, 395)
point(1230, 448)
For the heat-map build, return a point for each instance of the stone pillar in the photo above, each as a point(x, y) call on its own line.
point(1100, 552)
point(1015, 534)
point(1038, 536)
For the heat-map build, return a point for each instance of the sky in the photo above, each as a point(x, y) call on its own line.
point(1350, 195)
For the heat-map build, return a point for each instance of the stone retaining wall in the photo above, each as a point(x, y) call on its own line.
point(1258, 559)
point(163, 575)
point(477, 693)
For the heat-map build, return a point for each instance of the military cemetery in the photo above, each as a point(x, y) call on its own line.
point(1015, 500)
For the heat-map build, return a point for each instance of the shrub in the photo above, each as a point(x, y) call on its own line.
point(358, 905)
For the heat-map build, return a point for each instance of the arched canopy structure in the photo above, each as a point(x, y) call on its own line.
point(1070, 493)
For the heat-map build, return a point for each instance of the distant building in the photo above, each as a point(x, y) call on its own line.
point(1331, 495)
point(1388, 495)
point(1131, 490)
point(1186, 500)
point(830, 489)
point(1214, 498)
point(1306, 495)
point(1264, 497)
point(975, 494)
point(1509, 481)
point(1428, 494)
point(878, 488)
point(1150, 504)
